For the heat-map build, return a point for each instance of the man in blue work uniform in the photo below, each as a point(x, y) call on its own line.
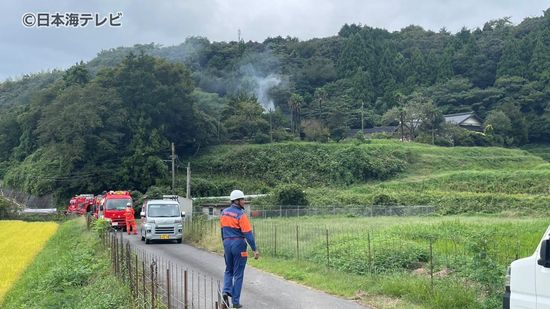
point(236, 232)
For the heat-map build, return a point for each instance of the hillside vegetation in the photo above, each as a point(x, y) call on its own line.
point(109, 123)
point(381, 172)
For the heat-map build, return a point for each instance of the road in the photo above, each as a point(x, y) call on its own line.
point(260, 290)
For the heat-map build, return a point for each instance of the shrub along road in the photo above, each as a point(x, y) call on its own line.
point(260, 290)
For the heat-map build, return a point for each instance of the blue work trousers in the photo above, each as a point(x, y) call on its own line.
point(235, 261)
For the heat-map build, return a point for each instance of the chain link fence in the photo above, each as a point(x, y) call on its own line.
point(285, 211)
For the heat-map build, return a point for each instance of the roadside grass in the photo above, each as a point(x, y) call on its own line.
point(350, 286)
point(70, 272)
point(386, 261)
point(20, 242)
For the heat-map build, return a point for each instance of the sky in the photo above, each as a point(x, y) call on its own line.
point(26, 49)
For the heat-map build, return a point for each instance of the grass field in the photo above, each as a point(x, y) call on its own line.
point(393, 258)
point(70, 272)
point(20, 242)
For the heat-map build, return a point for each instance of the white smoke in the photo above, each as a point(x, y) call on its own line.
point(262, 90)
point(258, 81)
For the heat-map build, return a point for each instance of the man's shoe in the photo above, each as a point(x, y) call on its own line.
point(225, 297)
point(237, 306)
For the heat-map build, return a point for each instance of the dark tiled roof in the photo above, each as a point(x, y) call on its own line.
point(458, 118)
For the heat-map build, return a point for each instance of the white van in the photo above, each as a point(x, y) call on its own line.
point(528, 279)
point(161, 220)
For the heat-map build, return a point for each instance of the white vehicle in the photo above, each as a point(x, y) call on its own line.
point(528, 279)
point(161, 220)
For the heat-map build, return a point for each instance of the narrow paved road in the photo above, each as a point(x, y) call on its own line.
point(260, 290)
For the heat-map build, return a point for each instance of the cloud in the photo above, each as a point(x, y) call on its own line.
point(169, 22)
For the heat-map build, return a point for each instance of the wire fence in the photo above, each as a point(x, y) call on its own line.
point(157, 282)
point(285, 211)
point(356, 249)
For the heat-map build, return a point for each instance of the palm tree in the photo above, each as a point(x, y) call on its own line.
point(295, 104)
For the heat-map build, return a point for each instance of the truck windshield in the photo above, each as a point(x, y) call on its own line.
point(166, 210)
point(117, 204)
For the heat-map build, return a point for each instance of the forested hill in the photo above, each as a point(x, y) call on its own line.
point(113, 118)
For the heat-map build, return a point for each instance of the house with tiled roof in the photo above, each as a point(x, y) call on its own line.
point(468, 121)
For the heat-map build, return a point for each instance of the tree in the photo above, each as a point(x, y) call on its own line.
point(510, 63)
point(295, 105)
point(539, 66)
point(76, 75)
point(314, 131)
point(415, 111)
point(244, 118)
point(501, 124)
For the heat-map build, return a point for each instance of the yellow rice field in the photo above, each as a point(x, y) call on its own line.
point(20, 242)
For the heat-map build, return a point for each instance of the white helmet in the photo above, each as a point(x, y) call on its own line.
point(128, 204)
point(236, 194)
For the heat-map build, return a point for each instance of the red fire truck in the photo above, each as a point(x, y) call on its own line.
point(112, 207)
point(72, 206)
point(80, 204)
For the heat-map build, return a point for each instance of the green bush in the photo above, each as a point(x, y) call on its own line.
point(307, 164)
point(262, 138)
point(291, 195)
point(205, 187)
point(384, 200)
point(352, 254)
point(7, 209)
point(100, 226)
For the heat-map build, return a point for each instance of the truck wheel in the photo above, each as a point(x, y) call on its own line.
point(179, 241)
point(147, 241)
point(142, 237)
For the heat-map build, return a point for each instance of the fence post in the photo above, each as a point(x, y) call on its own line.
point(517, 249)
point(185, 300)
point(297, 244)
point(275, 249)
point(328, 252)
point(153, 284)
point(129, 267)
point(369, 252)
point(143, 277)
point(431, 264)
point(121, 257)
point(115, 241)
point(168, 286)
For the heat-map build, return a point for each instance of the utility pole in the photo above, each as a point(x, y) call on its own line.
point(270, 126)
point(173, 157)
point(188, 189)
point(401, 119)
point(362, 117)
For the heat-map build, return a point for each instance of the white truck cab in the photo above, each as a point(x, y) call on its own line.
point(528, 279)
point(161, 220)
